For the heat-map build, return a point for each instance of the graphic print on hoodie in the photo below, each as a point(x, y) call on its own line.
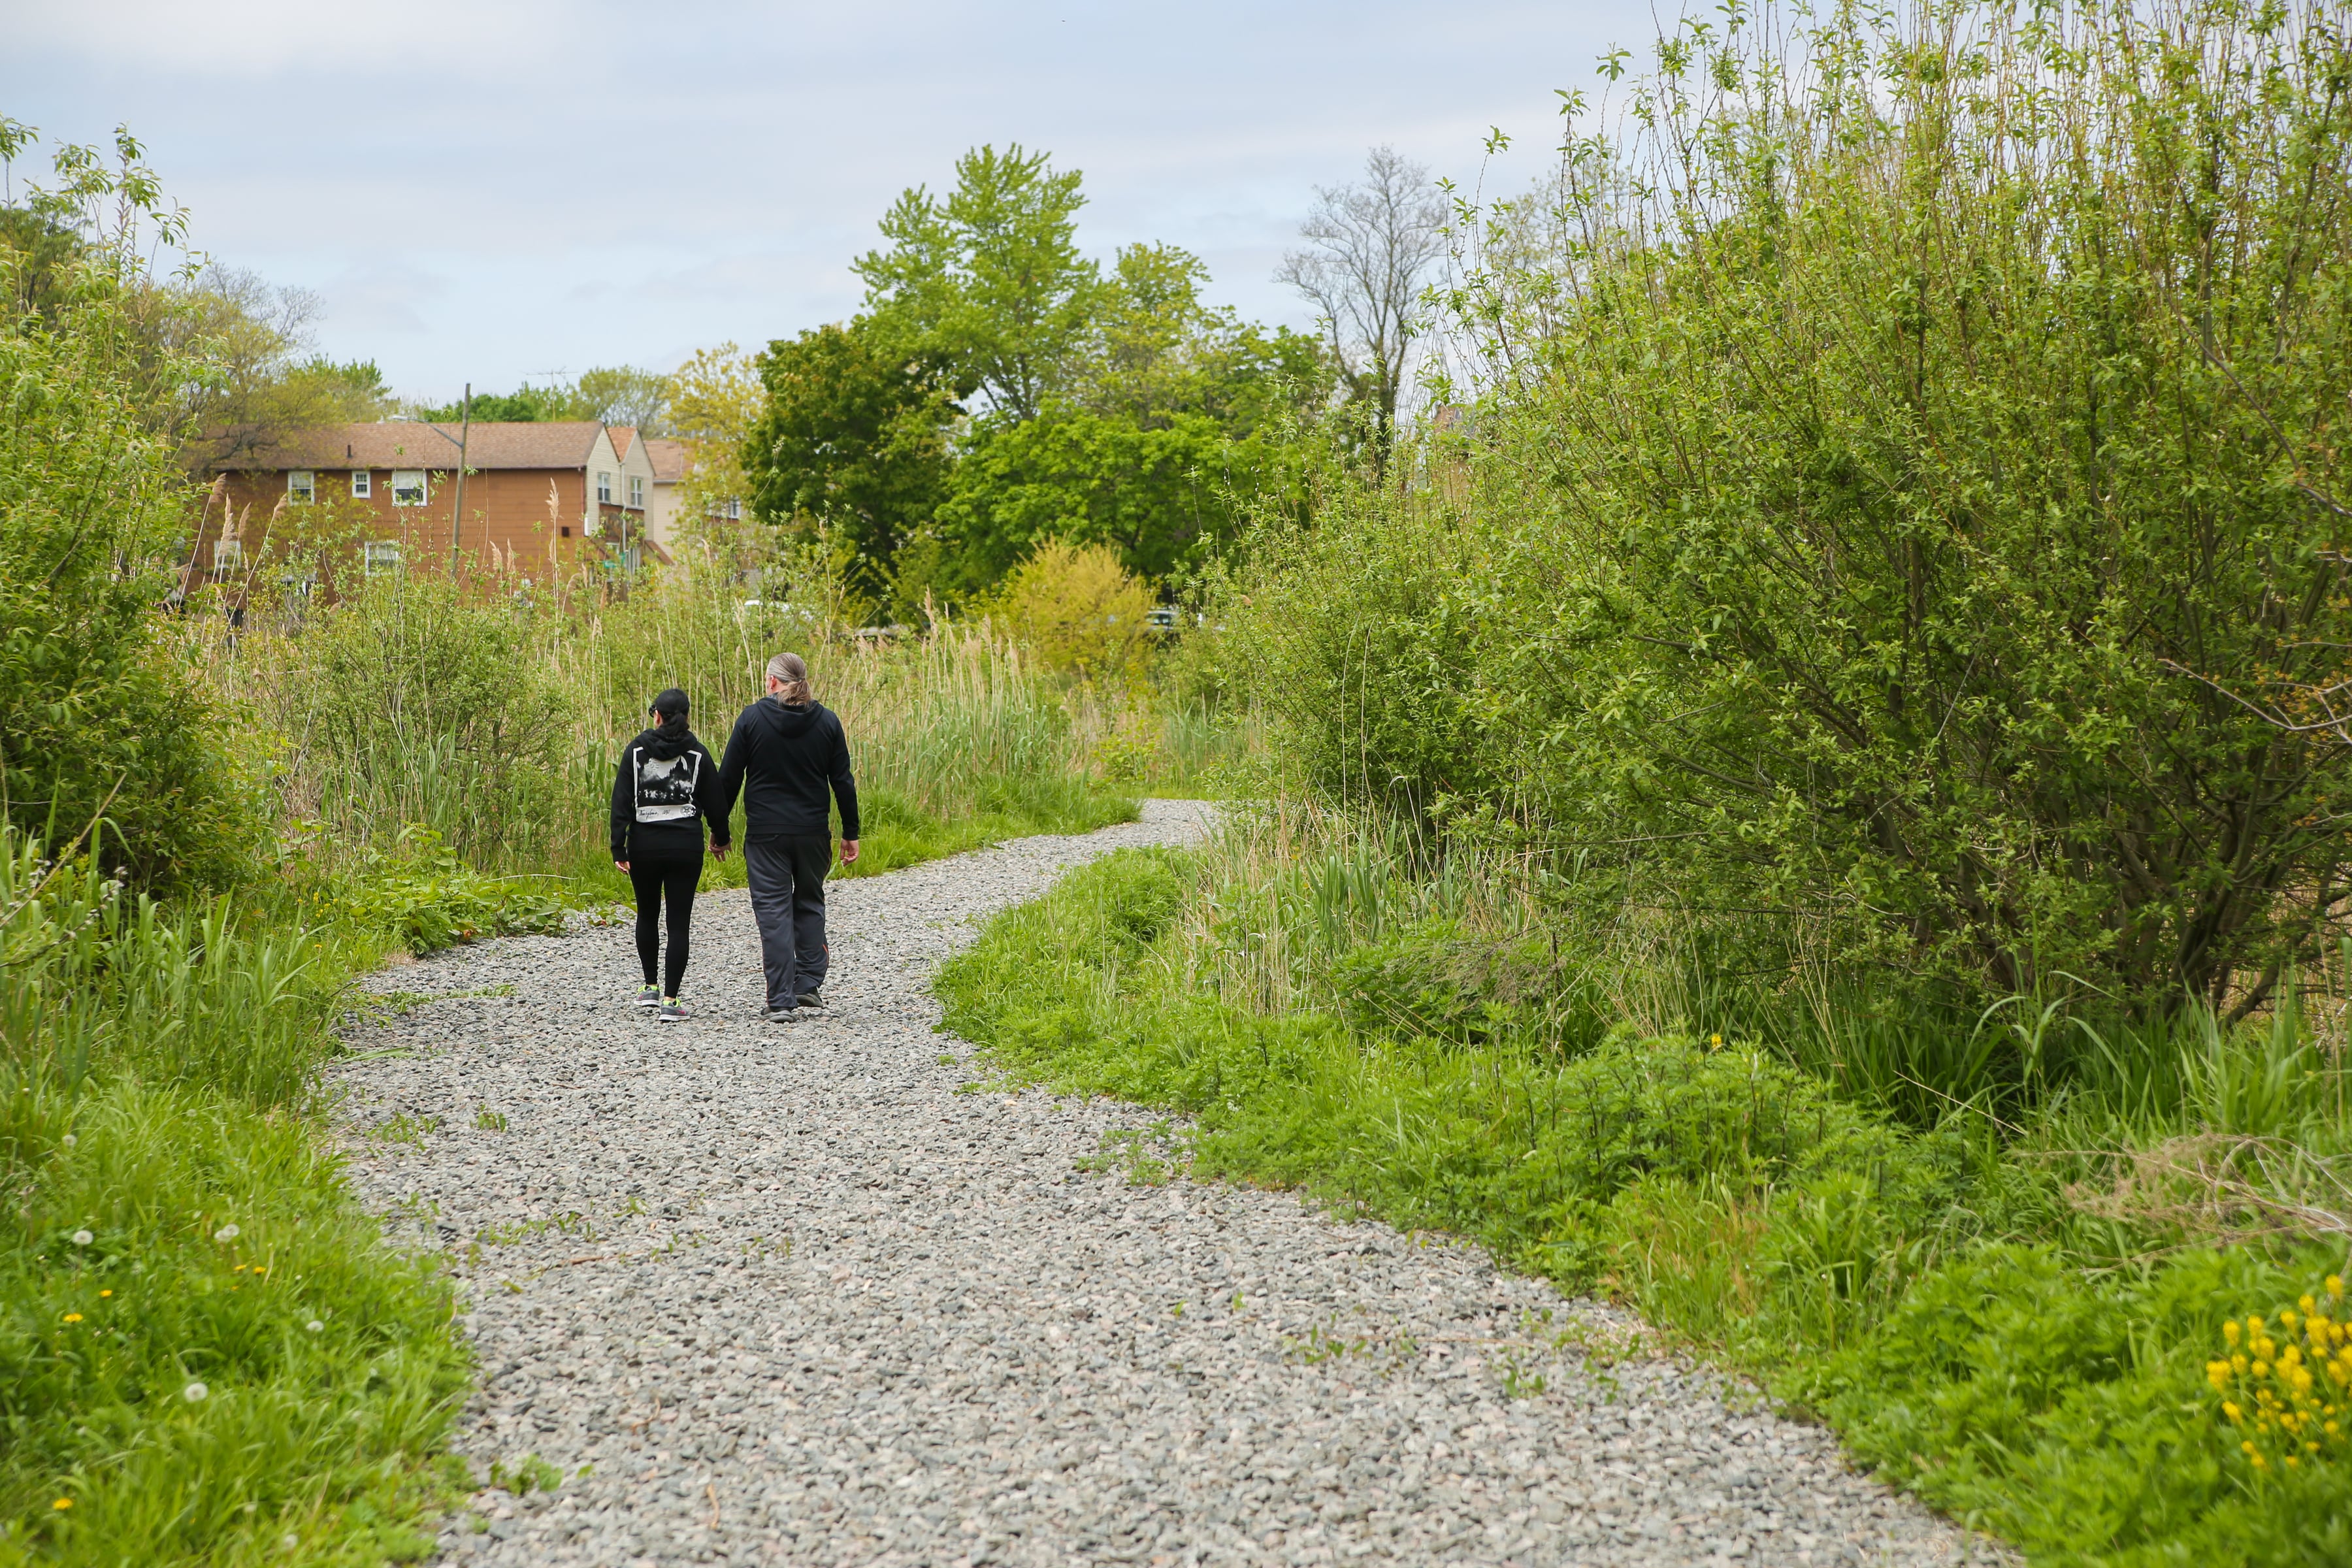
point(662, 784)
point(666, 785)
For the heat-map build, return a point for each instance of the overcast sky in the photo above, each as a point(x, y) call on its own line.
point(495, 190)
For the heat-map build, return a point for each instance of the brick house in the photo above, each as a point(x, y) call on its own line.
point(568, 492)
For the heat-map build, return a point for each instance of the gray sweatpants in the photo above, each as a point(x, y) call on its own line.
point(787, 878)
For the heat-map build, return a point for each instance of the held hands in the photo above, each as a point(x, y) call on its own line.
point(849, 851)
point(718, 851)
point(624, 866)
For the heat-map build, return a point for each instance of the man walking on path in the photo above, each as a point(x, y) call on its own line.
point(786, 756)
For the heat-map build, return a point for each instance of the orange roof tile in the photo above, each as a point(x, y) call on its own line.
point(414, 444)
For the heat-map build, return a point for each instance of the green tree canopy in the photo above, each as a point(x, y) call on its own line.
point(853, 437)
point(989, 282)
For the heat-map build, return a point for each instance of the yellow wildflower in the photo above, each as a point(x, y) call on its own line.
point(63, 1502)
point(2229, 1332)
point(2237, 1416)
point(106, 1292)
point(2334, 1283)
point(73, 1317)
point(2307, 1305)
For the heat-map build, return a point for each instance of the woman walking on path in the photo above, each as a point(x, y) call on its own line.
point(787, 756)
point(666, 779)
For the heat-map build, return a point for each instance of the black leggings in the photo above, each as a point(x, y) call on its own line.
point(670, 879)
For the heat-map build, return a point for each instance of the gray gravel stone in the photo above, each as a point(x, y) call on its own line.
point(803, 1292)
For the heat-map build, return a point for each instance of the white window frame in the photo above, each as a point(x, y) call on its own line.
point(732, 509)
point(412, 481)
point(363, 484)
point(603, 487)
point(379, 557)
point(303, 485)
point(228, 557)
point(637, 492)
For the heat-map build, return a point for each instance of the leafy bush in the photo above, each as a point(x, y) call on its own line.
point(98, 721)
point(1892, 460)
point(1077, 610)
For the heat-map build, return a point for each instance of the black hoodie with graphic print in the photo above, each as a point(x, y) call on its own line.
point(662, 784)
point(785, 761)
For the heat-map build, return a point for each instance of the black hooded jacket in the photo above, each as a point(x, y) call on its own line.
point(662, 784)
point(783, 760)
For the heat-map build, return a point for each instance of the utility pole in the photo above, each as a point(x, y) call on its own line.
point(457, 513)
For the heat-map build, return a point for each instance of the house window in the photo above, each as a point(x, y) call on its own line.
point(604, 489)
point(637, 492)
point(408, 487)
point(730, 508)
point(363, 484)
point(566, 530)
point(301, 485)
point(379, 556)
point(228, 557)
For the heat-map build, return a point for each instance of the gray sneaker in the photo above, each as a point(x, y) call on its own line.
point(811, 999)
point(673, 1011)
point(776, 1014)
point(649, 997)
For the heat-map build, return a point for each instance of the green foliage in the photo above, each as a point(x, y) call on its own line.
point(989, 281)
point(614, 395)
point(1875, 505)
point(1932, 1294)
point(852, 439)
point(97, 719)
point(1117, 408)
point(414, 702)
point(1077, 611)
point(205, 1345)
point(1165, 497)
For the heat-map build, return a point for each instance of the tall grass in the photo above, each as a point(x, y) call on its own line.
point(206, 1354)
point(489, 715)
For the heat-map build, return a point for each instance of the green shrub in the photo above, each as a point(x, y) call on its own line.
point(1884, 485)
point(98, 719)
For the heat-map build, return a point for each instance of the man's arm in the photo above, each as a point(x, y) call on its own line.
point(731, 771)
point(845, 785)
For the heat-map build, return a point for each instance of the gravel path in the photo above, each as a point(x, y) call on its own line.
point(802, 1293)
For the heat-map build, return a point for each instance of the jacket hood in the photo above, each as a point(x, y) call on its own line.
point(665, 747)
point(789, 722)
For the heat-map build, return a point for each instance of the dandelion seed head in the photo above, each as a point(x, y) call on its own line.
point(226, 1233)
point(83, 1238)
point(314, 1325)
point(194, 1393)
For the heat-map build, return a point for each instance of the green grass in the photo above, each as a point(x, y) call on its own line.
point(178, 1225)
point(2021, 1363)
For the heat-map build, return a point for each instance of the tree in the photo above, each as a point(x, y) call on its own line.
point(100, 726)
point(523, 405)
point(715, 398)
point(1154, 351)
point(989, 283)
point(853, 438)
point(623, 395)
point(1369, 246)
point(258, 376)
